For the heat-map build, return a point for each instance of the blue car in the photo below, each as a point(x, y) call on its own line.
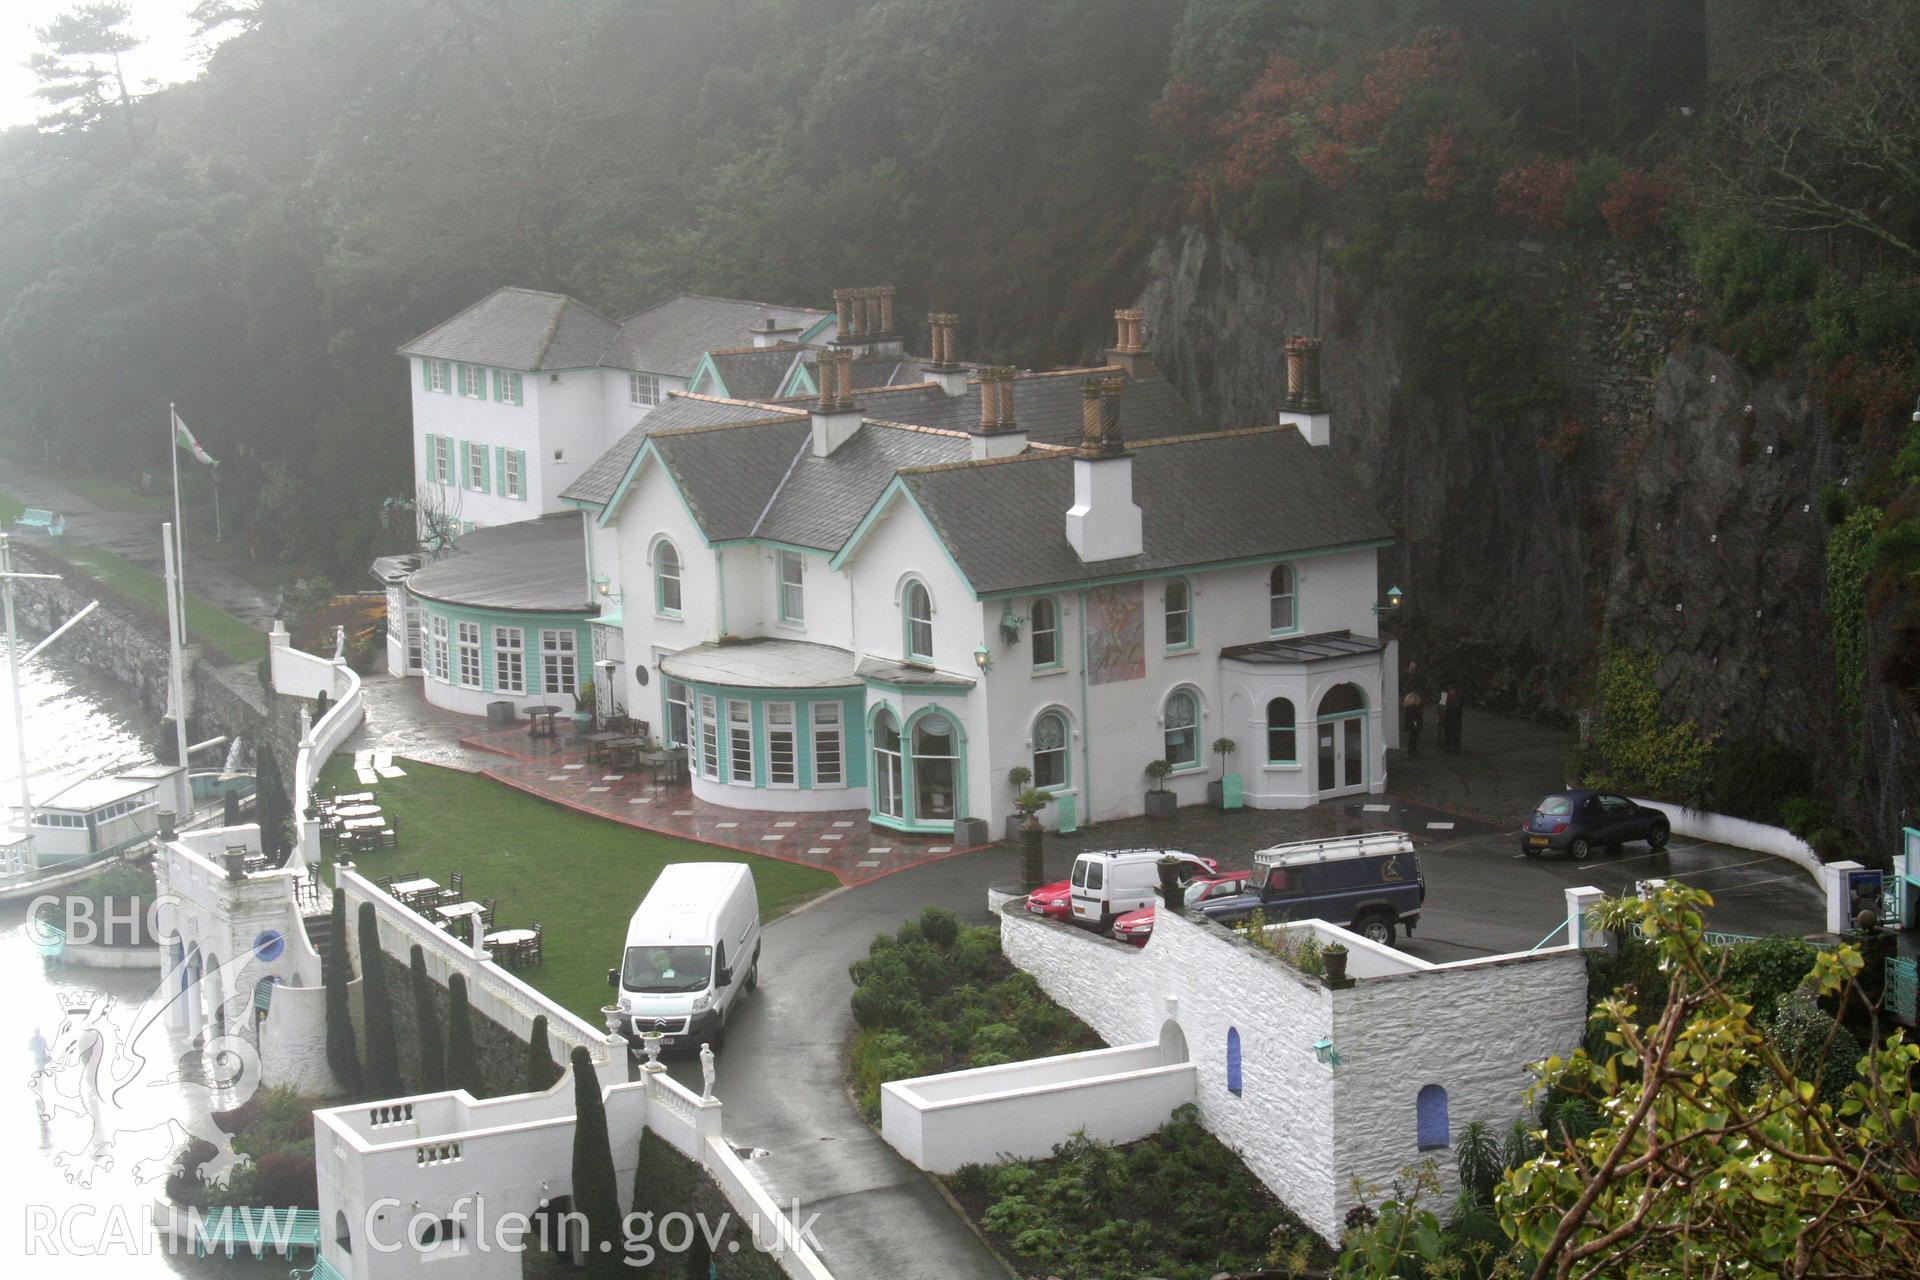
point(1578, 821)
point(1370, 884)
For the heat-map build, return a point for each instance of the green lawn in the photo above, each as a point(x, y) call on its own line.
point(580, 877)
point(214, 626)
point(10, 509)
point(115, 494)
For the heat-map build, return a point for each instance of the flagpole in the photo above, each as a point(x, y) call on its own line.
point(179, 529)
point(176, 684)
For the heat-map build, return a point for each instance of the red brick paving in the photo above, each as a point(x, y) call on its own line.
point(839, 841)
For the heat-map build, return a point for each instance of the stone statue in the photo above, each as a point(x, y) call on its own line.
point(339, 643)
point(706, 1072)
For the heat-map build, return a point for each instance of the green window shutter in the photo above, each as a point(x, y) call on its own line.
point(500, 470)
point(432, 453)
point(486, 469)
point(520, 461)
point(497, 376)
point(426, 374)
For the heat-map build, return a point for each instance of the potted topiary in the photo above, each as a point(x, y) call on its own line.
point(1217, 789)
point(1030, 802)
point(1172, 892)
point(1017, 777)
point(1161, 802)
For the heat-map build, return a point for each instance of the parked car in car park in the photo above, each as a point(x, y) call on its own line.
point(1055, 901)
point(1137, 926)
point(1579, 820)
point(1111, 883)
point(1370, 883)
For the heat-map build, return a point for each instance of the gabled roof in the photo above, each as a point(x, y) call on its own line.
point(822, 500)
point(599, 482)
point(535, 566)
point(752, 373)
point(671, 337)
point(1234, 495)
point(729, 474)
point(520, 329)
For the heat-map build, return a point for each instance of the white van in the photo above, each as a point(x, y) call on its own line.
point(693, 949)
point(1105, 885)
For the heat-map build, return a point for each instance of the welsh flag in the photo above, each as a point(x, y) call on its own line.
point(184, 439)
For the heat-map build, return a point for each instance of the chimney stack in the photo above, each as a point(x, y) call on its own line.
point(941, 366)
point(1129, 350)
point(865, 318)
point(1306, 407)
point(1104, 522)
point(998, 436)
point(835, 417)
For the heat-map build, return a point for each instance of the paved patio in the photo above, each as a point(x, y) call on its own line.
point(840, 841)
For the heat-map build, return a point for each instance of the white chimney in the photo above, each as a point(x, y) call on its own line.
point(1306, 408)
point(1104, 521)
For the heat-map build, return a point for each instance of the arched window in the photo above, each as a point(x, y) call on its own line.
point(889, 799)
point(342, 1233)
point(1281, 747)
point(936, 768)
point(1046, 633)
point(919, 610)
point(1233, 1061)
point(1343, 699)
point(1280, 610)
point(1431, 1109)
point(1179, 602)
point(666, 578)
point(1050, 751)
point(1181, 723)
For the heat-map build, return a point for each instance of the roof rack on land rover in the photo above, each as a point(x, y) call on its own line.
point(1336, 847)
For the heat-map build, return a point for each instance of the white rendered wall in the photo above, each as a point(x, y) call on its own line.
point(1308, 1128)
point(572, 424)
point(616, 401)
point(1022, 1110)
point(485, 422)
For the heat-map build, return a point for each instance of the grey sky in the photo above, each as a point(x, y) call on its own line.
point(170, 54)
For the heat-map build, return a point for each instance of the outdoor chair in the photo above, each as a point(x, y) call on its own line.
point(534, 952)
point(389, 838)
point(457, 885)
point(386, 885)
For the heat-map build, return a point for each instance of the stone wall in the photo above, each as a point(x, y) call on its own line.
point(502, 1055)
point(1306, 1127)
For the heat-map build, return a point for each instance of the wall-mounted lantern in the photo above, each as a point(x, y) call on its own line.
point(601, 584)
point(1392, 602)
point(1324, 1051)
point(982, 659)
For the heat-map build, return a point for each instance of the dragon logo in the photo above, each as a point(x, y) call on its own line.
point(105, 1058)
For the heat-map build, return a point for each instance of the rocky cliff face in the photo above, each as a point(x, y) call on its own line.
point(1670, 503)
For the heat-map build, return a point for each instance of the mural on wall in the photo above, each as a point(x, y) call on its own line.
point(1116, 634)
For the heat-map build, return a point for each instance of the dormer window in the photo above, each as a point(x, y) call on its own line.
point(666, 580)
point(643, 389)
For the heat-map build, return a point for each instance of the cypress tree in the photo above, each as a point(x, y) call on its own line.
point(595, 1195)
point(343, 1056)
point(426, 1021)
point(463, 1062)
point(542, 1070)
point(699, 1255)
point(376, 999)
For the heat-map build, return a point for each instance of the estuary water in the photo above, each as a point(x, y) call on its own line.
point(75, 1191)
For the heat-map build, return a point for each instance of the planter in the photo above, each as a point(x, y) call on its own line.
point(1161, 804)
point(971, 832)
point(1217, 793)
point(1013, 828)
point(1032, 866)
point(1336, 962)
point(1170, 891)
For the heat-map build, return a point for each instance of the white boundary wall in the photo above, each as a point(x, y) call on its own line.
point(491, 990)
point(302, 675)
point(1305, 1127)
point(1022, 1110)
point(1741, 834)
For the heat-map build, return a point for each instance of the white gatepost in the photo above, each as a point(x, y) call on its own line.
point(1579, 902)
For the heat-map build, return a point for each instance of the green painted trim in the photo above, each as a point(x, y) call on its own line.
point(780, 591)
point(799, 382)
point(852, 737)
point(942, 689)
point(808, 334)
point(647, 451)
point(1294, 575)
point(706, 366)
point(878, 509)
point(532, 658)
point(1193, 630)
point(906, 620)
point(660, 608)
point(1059, 658)
point(776, 545)
point(909, 790)
point(1185, 569)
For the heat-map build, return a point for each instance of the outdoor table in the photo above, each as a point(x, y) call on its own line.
point(509, 937)
point(361, 824)
point(598, 742)
point(345, 811)
point(406, 890)
point(351, 797)
point(255, 862)
point(656, 761)
point(456, 912)
point(540, 721)
point(625, 747)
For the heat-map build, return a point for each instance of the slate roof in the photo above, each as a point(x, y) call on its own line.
point(764, 662)
point(755, 373)
point(670, 338)
point(520, 329)
point(729, 474)
point(1203, 499)
point(531, 565)
point(824, 499)
point(1045, 405)
point(874, 372)
point(597, 483)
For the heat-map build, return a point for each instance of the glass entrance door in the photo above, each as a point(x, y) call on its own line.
point(1341, 763)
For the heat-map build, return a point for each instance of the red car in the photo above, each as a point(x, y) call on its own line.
point(1055, 901)
point(1137, 926)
